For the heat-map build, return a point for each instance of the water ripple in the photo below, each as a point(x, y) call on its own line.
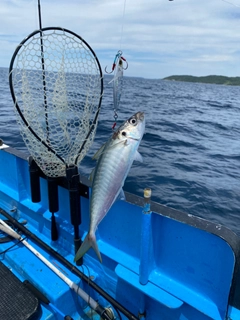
point(190, 149)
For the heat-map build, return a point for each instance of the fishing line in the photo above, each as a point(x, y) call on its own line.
point(123, 20)
point(111, 307)
point(233, 4)
point(117, 70)
point(14, 245)
point(88, 277)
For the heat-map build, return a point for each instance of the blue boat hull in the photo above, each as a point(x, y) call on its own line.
point(161, 265)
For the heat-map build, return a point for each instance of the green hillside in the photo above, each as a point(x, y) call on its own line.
point(234, 81)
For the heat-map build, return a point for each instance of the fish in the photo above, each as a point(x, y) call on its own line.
point(114, 160)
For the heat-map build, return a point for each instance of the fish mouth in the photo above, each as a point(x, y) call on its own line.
point(140, 115)
point(134, 138)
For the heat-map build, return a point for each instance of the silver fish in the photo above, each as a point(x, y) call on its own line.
point(115, 159)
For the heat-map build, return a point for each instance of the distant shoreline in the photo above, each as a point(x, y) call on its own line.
point(231, 81)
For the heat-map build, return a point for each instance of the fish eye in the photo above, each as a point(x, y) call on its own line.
point(124, 133)
point(132, 121)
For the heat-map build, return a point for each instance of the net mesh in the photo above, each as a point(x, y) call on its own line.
point(57, 86)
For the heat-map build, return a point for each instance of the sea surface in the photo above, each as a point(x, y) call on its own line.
point(191, 146)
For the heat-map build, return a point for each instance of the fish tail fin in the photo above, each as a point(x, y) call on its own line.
point(89, 242)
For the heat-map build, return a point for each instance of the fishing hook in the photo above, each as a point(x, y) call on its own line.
point(120, 58)
point(107, 71)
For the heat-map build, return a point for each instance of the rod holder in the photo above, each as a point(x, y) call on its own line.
point(34, 180)
point(146, 239)
point(75, 208)
point(52, 195)
point(53, 205)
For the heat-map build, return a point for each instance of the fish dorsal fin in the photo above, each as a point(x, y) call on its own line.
point(99, 152)
point(138, 157)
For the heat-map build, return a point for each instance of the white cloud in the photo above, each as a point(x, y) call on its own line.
point(159, 38)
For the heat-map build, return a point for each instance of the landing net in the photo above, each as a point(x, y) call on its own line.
point(56, 84)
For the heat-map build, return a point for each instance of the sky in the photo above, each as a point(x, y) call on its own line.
point(158, 38)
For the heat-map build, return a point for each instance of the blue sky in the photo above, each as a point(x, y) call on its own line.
point(159, 38)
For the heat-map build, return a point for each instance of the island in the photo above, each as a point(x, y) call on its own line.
point(232, 81)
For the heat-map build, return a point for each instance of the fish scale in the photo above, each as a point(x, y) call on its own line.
point(108, 178)
point(107, 181)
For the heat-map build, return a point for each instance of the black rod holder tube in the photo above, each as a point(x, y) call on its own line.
point(75, 208)
point(70, 267)
point(34, 180)
point(52, 195)
point(73, 187)
point(53, 205)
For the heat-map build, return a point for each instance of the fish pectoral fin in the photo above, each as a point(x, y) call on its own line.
point(99, 152)
point(89, 241)
point(138, 157)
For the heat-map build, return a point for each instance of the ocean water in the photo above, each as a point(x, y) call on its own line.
point(191, 146)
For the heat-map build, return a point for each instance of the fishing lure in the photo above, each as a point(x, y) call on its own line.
point(117, 69)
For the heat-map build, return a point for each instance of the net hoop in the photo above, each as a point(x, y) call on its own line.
point(86, 62)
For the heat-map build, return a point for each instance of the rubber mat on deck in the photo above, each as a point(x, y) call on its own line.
point(16, 301)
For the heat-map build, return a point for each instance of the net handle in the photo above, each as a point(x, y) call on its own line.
point(15, 100)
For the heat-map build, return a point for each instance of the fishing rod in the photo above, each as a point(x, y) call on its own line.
point(72, 285)
point(43, 70)
point(70, 266)
point(52, 185)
